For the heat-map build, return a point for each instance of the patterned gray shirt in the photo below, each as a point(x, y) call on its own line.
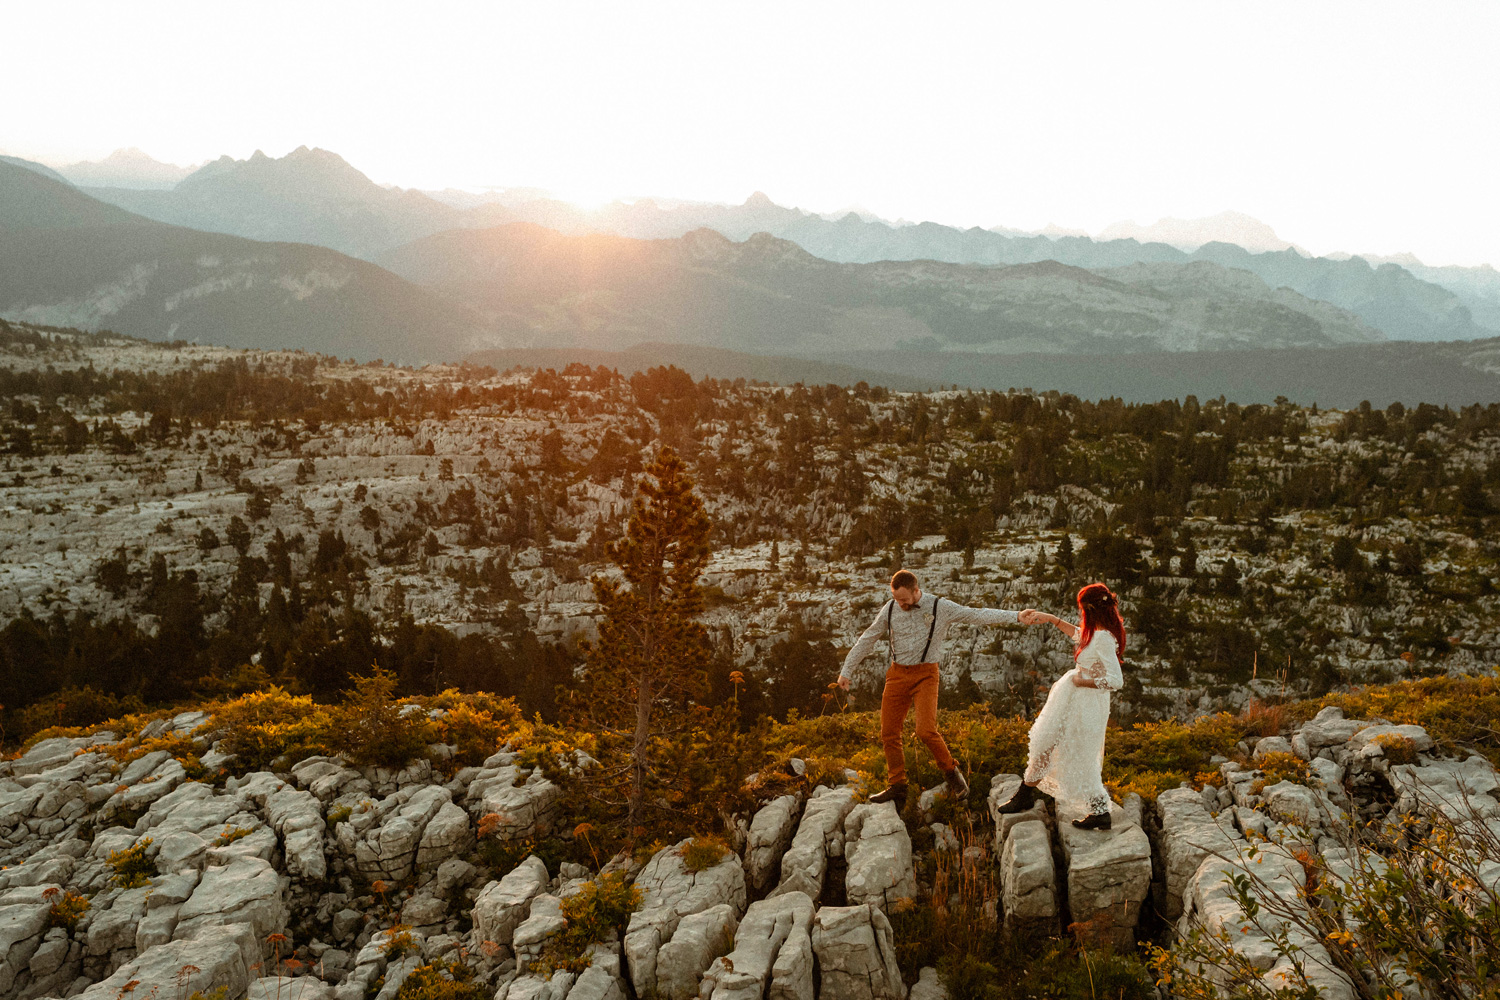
point(910, 629)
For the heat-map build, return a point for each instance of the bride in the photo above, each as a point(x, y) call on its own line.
point(1067, 740)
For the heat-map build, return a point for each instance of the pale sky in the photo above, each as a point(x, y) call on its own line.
point(1366, 127)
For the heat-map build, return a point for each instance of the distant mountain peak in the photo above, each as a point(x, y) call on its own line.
point(1190, 234)
point(128, 167)
point(759, 200)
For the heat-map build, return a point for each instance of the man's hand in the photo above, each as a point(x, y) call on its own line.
point(843, 683)
point(1029, 616)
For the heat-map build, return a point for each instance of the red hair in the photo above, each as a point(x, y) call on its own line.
point(1099, 609)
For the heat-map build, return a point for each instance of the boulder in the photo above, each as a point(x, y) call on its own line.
point(928, 986)
point(1461, 791)
point(700, 938)
point(1369, 734)
point(502, 906)
point(1109, 875)
point(226, 956)
point(1269, 745)
point(525, 801)
point(856, 954)
point(384, 841)
point(447, 835)
point(543, 921)
point(1210, 904)
point(878, 850)
point(1187, 833)
point(1329, 728)
point(23, 921)
point(749, 971)
point(1028, 879)
point(248, 891)
point(820, 836)
point(669, 892)
point(770, 834)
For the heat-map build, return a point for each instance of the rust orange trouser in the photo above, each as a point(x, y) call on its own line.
point(907, 686)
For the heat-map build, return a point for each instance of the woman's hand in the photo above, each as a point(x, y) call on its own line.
point(1081, 681)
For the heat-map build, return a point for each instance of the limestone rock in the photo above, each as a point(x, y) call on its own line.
point(447, 835)
point(1028, 879)
point(669, 892)
point(502, 906)
point(224, 957)
point(1109, 876)
point(928, 986)
point(820, 835)
point(770, 834)
point(543, 921)
point(1269, 745)
point(856, 954)
point(1329, 728)
point(878, 850)
point(700, 938)
point(1416, 734)
point(249, 892)
point(749, 970)
point(289, 988)
point(1187, 834)
point(525, 802)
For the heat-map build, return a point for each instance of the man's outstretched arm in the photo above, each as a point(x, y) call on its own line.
point(980, 616)
point(863, 646)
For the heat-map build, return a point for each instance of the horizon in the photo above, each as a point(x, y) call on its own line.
point(827, 111)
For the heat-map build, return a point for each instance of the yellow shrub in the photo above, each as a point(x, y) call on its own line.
point(1278, 767)
point(263, 725)
point(1397, 749)
point(702, 853)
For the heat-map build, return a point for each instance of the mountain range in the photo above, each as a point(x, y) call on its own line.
point(314, 196)
point(126, 168)
point(445, 274)
point(67, 259)
point(537, 287)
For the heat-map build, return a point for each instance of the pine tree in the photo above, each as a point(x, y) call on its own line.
point(649, 665)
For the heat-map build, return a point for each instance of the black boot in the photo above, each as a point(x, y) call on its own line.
point(1096, 821)
point(958, 788)
point(1021, 801)
point(895, 793)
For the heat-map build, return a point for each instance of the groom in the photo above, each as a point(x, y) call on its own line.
point(916, 624)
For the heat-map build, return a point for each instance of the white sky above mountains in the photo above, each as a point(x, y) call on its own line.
point(1365, 127)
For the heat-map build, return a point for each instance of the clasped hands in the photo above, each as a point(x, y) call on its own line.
point(1031, 616)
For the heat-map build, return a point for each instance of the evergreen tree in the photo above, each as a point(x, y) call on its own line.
point(649, 665)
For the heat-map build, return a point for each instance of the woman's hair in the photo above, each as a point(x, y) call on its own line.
point(1100, 610)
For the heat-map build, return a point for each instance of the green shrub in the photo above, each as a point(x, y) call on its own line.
point(599, 907)
point(1396, 748)
point(702, 853)
point(132, 868)
point(230, 835)
point(337, 815)
point(440, 980)
point(400, 944)
point(67, 908)
point(372, 728)
point(261, 726)
point(72, 708)
point(1278, 767)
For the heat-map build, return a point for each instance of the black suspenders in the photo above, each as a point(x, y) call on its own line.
point(891, 632)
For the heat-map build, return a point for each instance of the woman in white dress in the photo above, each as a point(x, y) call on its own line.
point(1066, 755)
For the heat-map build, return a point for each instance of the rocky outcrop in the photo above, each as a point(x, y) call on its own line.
point(856, 954)
point(700, 938)
point(819, 837)
point(522, 800)
point(770, 834)
point(878, 851)
point(1187, 832)
point(383, 841)
point(1109, 874)
point(1028, 878)
point(772, 953)
point(502, 906)
point(669, 892)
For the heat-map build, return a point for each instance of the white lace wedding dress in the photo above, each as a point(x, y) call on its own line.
point(1067, 740)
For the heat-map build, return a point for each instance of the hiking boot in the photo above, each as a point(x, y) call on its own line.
point(1096, 821)
point(1021, 801)
point(958, 788)
point(895, 793)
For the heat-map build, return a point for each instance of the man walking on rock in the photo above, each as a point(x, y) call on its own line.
point(916, 625)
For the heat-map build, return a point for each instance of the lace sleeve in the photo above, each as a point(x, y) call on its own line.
point(1101, 663)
